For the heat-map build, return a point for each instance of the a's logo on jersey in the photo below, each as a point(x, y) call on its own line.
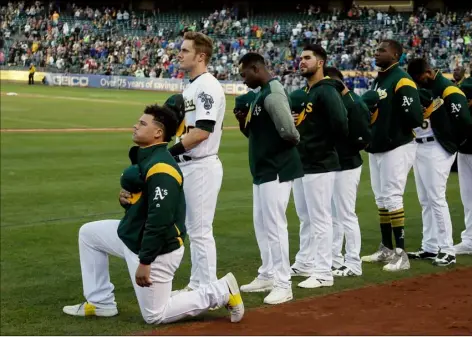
point(455, 108)
point(382, 93)
point(189, 105)
point(407, 101)
point(257, 110)
point(207, 100)
point(160, 194)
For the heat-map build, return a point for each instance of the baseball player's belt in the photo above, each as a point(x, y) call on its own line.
point(425, 140)
point(182, 158)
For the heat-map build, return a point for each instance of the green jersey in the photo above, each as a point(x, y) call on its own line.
point(398, 111)
point(154, 222)
point(358, 116)
point(321, 124)
point(272, 136)
point(466, 87)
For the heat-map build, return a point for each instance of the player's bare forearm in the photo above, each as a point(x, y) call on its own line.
point(194, 137)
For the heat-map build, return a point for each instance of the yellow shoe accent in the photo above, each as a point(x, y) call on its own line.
point(89, 309)
point(235, 300)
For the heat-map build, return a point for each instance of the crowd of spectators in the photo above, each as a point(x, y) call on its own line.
point(121, 42)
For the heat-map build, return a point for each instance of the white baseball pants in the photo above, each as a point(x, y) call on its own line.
point(202, 184)
point(313, 194)
point(464, 166)
point(432, 167)
point(270, 202)
point(388, 175)
point(99, 239)
point(345, 222)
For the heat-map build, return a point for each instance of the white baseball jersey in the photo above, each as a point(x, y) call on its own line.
point(204, 100)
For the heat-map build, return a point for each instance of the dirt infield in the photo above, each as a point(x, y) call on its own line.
point(439, 304)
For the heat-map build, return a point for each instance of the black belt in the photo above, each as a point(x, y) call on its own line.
point(183, 159)
point(424, 140)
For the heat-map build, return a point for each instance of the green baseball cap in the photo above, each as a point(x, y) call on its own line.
point(177, 104)
point(298, 100)
point(371, 98)
point(243, 102)
point(131, 179)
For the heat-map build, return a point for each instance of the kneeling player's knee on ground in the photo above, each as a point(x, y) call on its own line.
point(153, 317)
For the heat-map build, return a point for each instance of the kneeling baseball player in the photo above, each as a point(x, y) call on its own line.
point(149, 237)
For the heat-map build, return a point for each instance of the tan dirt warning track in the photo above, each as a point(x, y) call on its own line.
point(438, 304)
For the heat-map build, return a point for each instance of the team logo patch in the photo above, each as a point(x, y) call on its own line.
point(257, 110)
point(160, 194)
point(207, 100)
point(455, 108)
point(382, 93)
point(407, 101)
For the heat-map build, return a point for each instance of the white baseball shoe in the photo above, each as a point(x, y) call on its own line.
point(294, 272)
point(258, 286)
point(279, 295)
point(87, 309)
point(463, 249)
point(345, 271)
point(175, 292)
point(383, 254)
point(399, 261)
point(235, 303)
point(314, 282)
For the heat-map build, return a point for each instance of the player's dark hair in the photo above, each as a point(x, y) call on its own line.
point(417, 67)
point(250, 59)
point(396, 46)
point(165, 118)
point(333, 73)
point(317, 50)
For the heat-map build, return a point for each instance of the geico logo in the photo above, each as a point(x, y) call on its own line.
point(71, 81)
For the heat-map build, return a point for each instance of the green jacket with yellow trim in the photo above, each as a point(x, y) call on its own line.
point(323, 121)
point(358, 116)
point(398, 111)
point(154, 222)
point(466, 87)
point(451, 123)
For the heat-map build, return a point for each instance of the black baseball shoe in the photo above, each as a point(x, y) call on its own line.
point(422, 255)
point(443, 260)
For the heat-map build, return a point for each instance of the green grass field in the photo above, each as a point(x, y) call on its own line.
point(52, 183)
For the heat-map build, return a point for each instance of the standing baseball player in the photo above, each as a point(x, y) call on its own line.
point(345, 222)
point(274, 163)
point(464, 163)
point(149, 237)
point(321, 123)
point(196, 151)
point(392, 151)
point(444, 128)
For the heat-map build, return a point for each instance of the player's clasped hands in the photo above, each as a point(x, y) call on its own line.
point(124, 197)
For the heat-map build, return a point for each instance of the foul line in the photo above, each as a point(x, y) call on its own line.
point(84, 130)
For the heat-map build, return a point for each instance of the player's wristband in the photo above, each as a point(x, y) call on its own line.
point(177, 149)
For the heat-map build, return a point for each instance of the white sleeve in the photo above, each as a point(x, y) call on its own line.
point(207, 102)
